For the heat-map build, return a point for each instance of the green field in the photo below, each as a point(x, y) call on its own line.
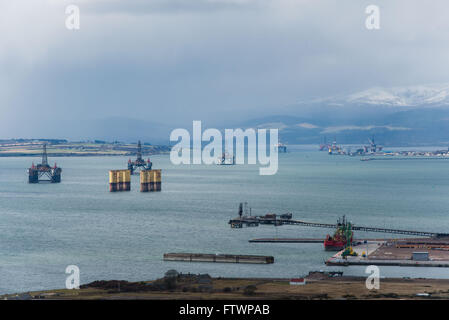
point(23, 148)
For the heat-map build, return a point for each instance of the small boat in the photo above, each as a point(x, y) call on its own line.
point(226, 160)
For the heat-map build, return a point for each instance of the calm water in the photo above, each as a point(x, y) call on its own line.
point(46, 227)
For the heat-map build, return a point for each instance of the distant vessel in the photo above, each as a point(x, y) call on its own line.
point(226, 159)
point(335, 149)
point(372, 148)
point(324, 146)
point(282, 148)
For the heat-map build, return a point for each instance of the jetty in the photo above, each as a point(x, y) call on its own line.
point(305, 240)
point(218, 258)
point(273, 219)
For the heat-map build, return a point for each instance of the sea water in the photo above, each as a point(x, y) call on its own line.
point(123, 235)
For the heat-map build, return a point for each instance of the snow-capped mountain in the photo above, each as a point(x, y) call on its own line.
point(412, 115)
point(433, 95)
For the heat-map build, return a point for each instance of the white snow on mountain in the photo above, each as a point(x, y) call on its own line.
point(272, 125)
point(411, 96)
point(306, 125)
point(337, 129)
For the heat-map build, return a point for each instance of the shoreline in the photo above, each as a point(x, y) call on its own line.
point(318, 286)
point(58, 155)
point(77, 149)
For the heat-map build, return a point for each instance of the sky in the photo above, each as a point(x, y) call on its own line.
point(173, 61)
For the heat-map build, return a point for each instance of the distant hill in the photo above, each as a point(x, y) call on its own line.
point(349, 125)
point(415, 115)
point(412, 127)
point(433, 95)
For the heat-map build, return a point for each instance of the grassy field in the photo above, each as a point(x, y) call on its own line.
point(13, 148)
point(235, 289)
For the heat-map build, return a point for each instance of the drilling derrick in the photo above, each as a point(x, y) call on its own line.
point(139, 164)
point(43, 172)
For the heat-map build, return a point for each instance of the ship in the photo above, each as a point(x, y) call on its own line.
point(226, 159)
point(335, 149)
point(282, 148)
point(339, 240)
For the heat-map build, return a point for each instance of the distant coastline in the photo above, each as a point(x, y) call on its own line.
point(64, 148)
point(57, 155)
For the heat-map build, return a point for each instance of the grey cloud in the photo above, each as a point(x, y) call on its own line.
point(166, 6)
point(173, 61)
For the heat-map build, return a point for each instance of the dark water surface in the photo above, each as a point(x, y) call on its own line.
point(46, 227)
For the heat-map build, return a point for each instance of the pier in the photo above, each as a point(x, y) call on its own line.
point(303, 240)
point(272, 219)
point(397, 253)
point(287, 240)
point(218, 258)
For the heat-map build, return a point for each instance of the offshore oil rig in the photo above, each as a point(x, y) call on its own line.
point(373, 147)
point(226, 159)
point(43, 172)
point(139, 164)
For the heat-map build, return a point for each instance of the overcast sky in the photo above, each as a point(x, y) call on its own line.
point(172, 61)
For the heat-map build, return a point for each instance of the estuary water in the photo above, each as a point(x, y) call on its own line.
point(46, 227)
